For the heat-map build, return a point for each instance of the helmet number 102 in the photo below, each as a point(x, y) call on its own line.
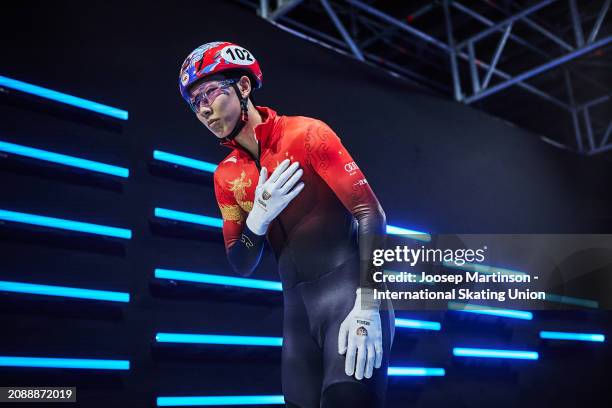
point(237, 55)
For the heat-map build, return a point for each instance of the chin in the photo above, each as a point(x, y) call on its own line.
point(220, 135)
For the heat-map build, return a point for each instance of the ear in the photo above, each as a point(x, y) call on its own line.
point(244, 84)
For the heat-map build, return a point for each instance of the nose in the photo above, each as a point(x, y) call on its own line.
point(204, 110)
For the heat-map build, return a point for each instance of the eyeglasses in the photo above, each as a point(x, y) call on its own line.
point(209, 92)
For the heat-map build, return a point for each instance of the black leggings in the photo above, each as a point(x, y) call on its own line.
point(312, 370)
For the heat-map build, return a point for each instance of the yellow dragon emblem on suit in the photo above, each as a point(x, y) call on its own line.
point(238, 187)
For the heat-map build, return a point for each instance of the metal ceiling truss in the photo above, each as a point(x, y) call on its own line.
point(369, 25)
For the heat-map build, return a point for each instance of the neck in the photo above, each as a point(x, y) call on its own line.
point(246, 137)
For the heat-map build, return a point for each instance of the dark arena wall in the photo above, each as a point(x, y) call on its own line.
point(435, 165)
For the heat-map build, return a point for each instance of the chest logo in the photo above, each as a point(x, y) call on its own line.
point(238, 187)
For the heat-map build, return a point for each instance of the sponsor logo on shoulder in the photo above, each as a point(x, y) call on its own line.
point(351, 168)
point(231, 159)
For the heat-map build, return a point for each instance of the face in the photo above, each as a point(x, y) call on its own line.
point(221, 115)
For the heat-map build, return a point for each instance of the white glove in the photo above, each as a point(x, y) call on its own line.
point(362, 330)
point(273, 195)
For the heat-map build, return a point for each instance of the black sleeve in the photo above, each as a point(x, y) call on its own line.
point(244, 255)
point(372, 235)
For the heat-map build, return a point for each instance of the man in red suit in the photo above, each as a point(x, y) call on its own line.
point(289, 179)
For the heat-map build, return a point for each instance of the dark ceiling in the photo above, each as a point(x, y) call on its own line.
point(546, 34)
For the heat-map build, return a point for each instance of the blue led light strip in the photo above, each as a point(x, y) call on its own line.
point(188, 217)
point(489, 310)
point(218, 223)
point(63, 159)
point(221, 400)
point(63, 98)
point(184, 161)
point(48, 290)
point(551, 297)
point(407, 233)
point(417, 324)
point(416, 371)
point(218, 279)
point(231, 340)
point(278, 399)
point(572, 336)
point(490, 353)
point(60, 223)
point(218, 339)
point(45, 362)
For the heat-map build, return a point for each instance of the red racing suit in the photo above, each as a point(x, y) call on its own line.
point(336, 216)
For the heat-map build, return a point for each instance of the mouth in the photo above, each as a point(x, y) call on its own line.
point(212, 121)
